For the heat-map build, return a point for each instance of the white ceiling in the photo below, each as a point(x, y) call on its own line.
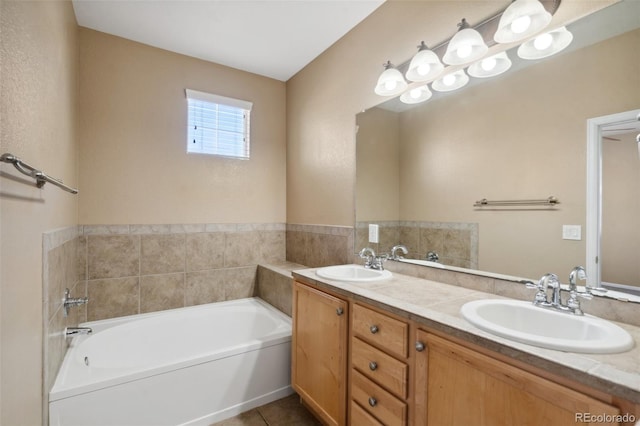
point(273, 38)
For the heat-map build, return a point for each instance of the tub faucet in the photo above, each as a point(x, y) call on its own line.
point(394, 250)
point(69, 301)
point(76, 331)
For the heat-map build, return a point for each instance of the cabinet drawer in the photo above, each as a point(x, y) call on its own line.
point(381, 330)
point(380, 367)
point(359, 416)
point(378, 402)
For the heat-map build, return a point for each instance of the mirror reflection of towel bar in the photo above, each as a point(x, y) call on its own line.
point(40, 177)
point(551, 201)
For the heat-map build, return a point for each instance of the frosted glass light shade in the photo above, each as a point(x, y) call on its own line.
point(450, 82)
point(391, 82)
point(520, 20)
point(546, 44)
point(425, 65)
point(417, 95)
point(491, 66)
point(465, 47)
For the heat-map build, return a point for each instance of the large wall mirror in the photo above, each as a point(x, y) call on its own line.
point(518, 136)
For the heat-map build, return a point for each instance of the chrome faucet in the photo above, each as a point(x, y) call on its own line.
point(368, 255)
point(542, 298)
point(371, 260)
point(69, 301)
point(75, 331)
point(577, 273)
point(394, 250)
point(551, 280)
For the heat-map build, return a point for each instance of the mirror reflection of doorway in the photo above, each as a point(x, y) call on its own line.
point(620, 232)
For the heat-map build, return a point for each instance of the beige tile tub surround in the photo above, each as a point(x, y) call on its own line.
point(63, 261)
point(274, 284)
point(319, 245)
point(145, 268)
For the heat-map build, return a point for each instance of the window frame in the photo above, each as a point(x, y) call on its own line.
point(210, 98)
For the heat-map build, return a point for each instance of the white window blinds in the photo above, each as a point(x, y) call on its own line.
point(218, 125)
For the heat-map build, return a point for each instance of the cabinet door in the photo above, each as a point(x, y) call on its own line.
point(319, 352)
point(458, 386)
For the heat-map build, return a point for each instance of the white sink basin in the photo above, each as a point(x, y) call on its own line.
point(352, 273)
point(526, 323)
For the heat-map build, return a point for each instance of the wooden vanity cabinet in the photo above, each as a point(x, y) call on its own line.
point(456, 385)
point(319, 352)
point(379, 374)
point(399, 373)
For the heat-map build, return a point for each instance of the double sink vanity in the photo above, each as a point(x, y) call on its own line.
point(377, 347)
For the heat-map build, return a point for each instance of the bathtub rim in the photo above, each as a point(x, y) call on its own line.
point(61, 391)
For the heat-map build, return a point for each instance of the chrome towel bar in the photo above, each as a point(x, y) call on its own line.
point(551, 201)
point(40, 177)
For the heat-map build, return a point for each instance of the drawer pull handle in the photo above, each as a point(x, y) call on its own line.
point(419, 346)
point(373, 329)
point(372, 401)
point(339, 311)
point(373, 366)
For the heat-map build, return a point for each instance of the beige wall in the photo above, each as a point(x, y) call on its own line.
point(323, 98)
point(133, 163)
point(38, 85)
point(378, 171)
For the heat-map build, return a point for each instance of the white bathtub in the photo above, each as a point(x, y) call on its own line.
point(192, 366)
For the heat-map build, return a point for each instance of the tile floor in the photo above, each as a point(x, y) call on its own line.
point(283, 412)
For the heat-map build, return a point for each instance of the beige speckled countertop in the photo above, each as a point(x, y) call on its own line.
point(437, 306)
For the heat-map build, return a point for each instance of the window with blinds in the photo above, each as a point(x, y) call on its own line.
point(218, 125)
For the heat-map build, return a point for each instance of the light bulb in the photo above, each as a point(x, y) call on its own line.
point(390, 84)
point(489, 63)
point(423, 69)
point(449, 79)
point(415, 93)
point(543, 41)
point(521, 24)
point(464, 51)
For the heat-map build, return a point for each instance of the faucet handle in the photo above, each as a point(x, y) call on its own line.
point(541, 294)
point(530, 284)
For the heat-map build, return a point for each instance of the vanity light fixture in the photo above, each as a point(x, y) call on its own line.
point(425, 65)
point(465, 47)
point(523, 18)
point(450, 82)
point(416, 95)
point(546, 44)
point(391, 82)
point(491, 66)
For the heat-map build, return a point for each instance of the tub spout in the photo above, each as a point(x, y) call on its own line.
point(74, 331)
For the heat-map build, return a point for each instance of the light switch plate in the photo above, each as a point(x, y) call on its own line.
point(571, 232)
point(373, 233)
